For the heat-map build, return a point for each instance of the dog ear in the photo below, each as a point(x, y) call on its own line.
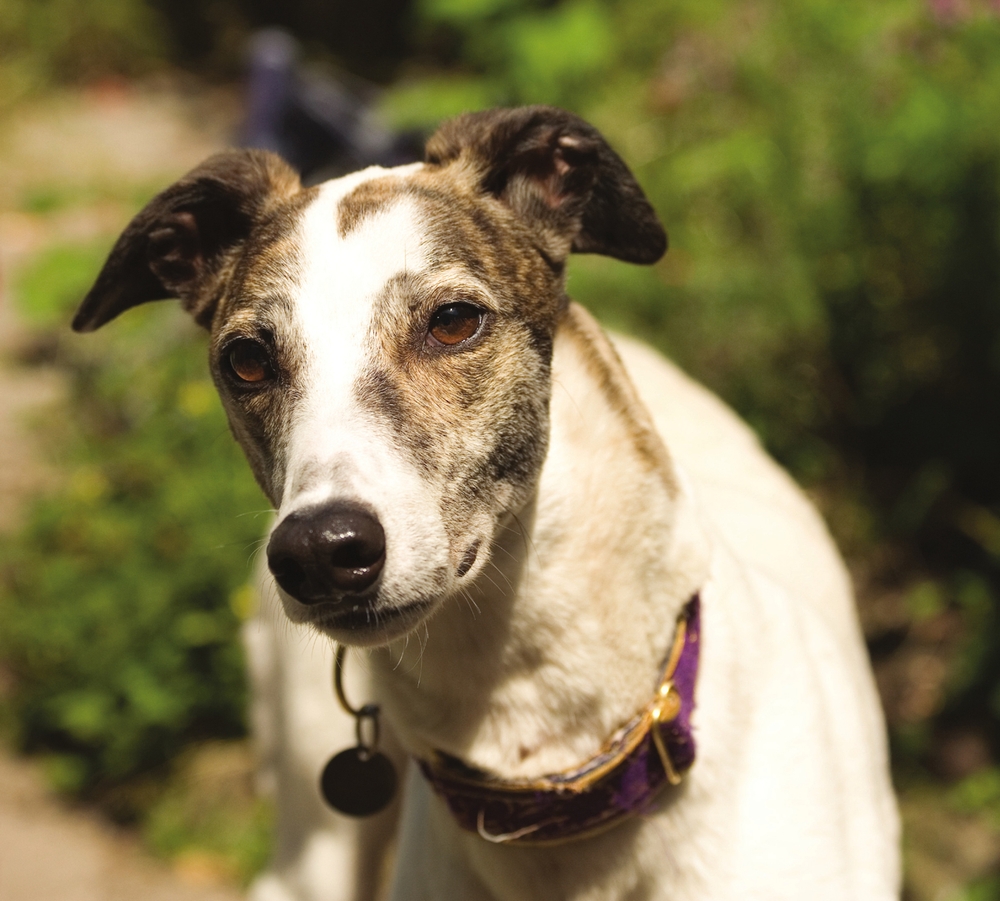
point(559, 174)
point(184, 243)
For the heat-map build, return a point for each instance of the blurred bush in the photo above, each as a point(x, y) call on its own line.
point(121, 597)
point(46, 42)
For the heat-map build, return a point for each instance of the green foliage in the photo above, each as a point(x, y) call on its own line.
point(43, 42)
point(46, 197)
point(51, 286)
point(119, 598)
point(985, 890)
point(979, 792)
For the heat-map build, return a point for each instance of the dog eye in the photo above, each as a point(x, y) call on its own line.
point(249, 361)
point(454, 323)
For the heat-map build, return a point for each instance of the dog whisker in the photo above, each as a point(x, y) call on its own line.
point(470, 603)
point(402, 652)
point(255, 553)
point(420, 657)
point(493, 581)
point(255, 513)
point(557, 383)
point(529, 543)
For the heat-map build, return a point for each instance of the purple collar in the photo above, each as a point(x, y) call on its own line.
point(654, 748)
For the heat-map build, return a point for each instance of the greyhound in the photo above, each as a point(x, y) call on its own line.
point(614, 638)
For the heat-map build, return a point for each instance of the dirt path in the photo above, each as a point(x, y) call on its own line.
point(70, 149)
point(49, 852)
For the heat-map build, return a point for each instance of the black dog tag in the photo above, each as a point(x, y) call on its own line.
point(358, 782)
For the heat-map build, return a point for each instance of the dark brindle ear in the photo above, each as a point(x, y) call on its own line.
point(559, 174)
point(183, 244)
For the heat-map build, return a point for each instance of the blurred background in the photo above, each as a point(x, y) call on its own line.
point(829, 174)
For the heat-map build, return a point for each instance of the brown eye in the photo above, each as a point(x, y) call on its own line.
point(454, 323)
point(249, 362)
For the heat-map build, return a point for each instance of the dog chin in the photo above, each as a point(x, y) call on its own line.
point(353, 621)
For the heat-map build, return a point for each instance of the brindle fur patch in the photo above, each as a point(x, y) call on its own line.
point(364, 202)
point(259, 304)
point(609, 375)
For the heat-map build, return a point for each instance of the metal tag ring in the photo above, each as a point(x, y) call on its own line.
point(368, 713)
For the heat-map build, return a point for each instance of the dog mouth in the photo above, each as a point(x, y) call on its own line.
point(355, 621)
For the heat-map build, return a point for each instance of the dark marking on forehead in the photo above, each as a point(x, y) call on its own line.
point(366, 201)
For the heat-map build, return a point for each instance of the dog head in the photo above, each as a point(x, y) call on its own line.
point(382, 342)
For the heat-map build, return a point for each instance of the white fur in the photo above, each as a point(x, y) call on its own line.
point(336, 448)
point(557, 639)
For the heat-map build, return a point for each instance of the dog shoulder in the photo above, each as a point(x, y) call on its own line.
point(756, 506)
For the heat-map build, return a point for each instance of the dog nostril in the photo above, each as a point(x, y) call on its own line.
point(469, 560)
point(297, 576)
point(286, 570)
point(347, 553)
point(321, 553)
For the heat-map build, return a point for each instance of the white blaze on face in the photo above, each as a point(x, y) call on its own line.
point(339, 450)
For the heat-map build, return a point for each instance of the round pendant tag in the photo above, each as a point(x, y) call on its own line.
point(358, 782)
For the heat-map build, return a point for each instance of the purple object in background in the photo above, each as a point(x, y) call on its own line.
point(314, 121)
point(270, 77)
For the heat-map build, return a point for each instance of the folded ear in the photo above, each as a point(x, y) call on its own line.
point(183, 244)
point(557, 173)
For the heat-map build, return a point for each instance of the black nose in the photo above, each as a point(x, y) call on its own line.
point(322, 552)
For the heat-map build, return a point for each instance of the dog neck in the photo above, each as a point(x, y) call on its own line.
point(560, 639)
